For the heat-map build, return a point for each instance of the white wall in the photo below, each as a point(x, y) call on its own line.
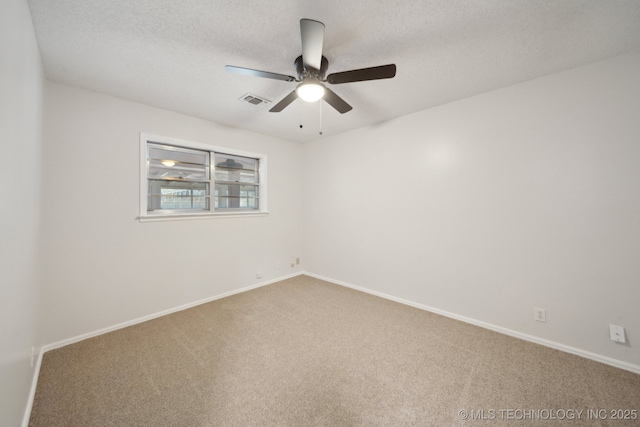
point(103, 267)
point(524, 197)
point(20, 139)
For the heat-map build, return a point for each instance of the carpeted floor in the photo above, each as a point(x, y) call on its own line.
point(307, 352)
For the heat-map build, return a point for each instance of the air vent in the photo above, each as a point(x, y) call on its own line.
point(253, 99)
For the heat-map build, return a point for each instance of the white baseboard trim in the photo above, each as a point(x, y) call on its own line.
point(72, 340)
point(83, 337)
point(32, 392)
point(47, 347)
point(552, 344)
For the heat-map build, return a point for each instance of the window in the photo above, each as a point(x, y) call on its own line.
point(182, 179)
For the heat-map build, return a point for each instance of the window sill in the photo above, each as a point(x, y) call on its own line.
point(207, 215)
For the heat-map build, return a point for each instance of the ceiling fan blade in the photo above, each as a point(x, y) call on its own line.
point(336, 102)
point(284, 102)
point(363, 74)
point(258, 73)
point(312, 35)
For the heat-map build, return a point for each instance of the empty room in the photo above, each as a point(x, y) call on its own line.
point(320, 213)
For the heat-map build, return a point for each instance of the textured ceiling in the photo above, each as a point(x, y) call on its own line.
point(171, 54)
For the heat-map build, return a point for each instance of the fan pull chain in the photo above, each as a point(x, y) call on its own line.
point(300, 113)
point(320, 116)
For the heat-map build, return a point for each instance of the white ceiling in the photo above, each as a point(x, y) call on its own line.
point(171, 53)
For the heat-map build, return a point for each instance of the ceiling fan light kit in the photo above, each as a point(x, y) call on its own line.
point(311, 67)
point(310, 91)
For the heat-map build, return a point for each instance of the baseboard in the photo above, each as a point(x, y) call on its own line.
point(65, 342)
point(48, 347)
point(32, 392)
point(78, 338)
point(547, 343)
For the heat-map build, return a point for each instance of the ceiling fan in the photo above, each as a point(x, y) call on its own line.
point(311, 67)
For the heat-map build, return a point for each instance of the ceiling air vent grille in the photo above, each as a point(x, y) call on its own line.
point(253, 99)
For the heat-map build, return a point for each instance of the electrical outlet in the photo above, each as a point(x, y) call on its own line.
point(540, 314)
point(258, 274)
point(617, 333)
point(297, 260)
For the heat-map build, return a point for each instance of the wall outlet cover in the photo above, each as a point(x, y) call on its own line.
point(617, 333)
point(539, 314)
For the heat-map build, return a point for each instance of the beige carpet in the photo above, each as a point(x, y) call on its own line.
point(307, 352)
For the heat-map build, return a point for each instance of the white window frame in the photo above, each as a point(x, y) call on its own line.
point(145, 216)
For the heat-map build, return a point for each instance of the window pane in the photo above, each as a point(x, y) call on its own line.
point(177, 163)
point(225, 175)
point(182, 155)
point(236, 168)
point(178, 195)
point(230, 196)
point(179, 171)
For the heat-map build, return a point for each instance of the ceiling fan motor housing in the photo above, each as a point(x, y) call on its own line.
point(311, 73)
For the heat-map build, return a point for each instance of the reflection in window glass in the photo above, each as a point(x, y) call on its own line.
point(182, 178)
point(175, 198)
